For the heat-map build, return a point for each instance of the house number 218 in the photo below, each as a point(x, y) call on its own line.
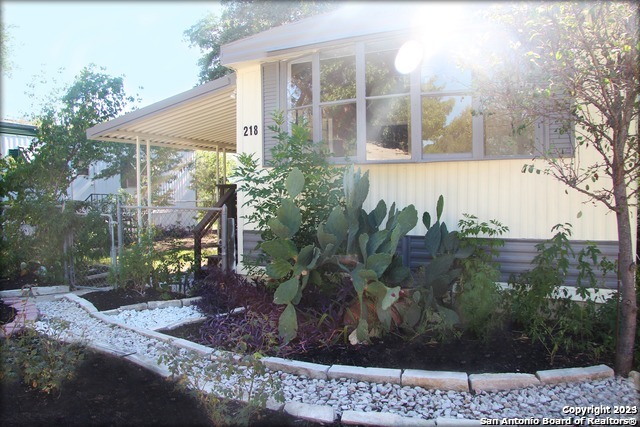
point(250, 130)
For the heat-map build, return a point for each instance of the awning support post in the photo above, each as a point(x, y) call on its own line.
point(148, 186)
point(138, 186)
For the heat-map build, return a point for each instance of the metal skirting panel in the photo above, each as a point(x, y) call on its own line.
point(515, 256)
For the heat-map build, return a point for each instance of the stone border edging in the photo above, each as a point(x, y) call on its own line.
point(441, 380)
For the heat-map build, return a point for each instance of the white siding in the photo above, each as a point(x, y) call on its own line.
point(529, 204)
point(249, 113)
point(10, 142)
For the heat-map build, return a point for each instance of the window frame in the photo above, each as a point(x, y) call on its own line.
point(478, 150)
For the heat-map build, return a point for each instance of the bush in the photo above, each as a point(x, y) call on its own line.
point(136, 265)
point(40, 362)
point(264, 188)
point(549, 315)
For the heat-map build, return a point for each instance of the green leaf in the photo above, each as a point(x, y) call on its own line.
point(362, 241)
point(286, 292)
point(362, 332)
point(294, 182)
point(432, 239)
point(279, 248)
point(306, 259)
point(324, 238)
point(449, 316)
point(278, 268)
point(288, 214)
point(377, 239)
point(439, 208)
point(288, 324)
point(426, 220)
point(337, 225)
point(367, 275)
point(377, 215)
point(279, 229)
point(390, 297)
point(379, 263)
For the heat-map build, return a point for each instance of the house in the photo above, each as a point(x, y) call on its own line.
point(415, 131)
point(16, 137)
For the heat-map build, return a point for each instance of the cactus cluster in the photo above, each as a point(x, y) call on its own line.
point(351, 242)
point(443, 271)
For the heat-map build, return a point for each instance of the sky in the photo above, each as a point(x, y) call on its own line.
point(142, 41)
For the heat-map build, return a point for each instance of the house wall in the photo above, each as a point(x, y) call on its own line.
point(529, 204)
point(248, 113)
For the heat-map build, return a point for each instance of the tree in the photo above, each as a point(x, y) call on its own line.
point(5, 63)
point(240, 19)
point(576, 63)
point(204, 176)
point(60, 149)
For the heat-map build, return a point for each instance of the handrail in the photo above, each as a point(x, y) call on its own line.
point(226, 200)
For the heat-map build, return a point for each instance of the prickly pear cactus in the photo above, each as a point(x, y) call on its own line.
point(351, 241)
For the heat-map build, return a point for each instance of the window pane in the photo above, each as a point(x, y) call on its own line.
point(439, 72)
point(388, 129)
point(337, 75)
point(446, 124)
point(302, 116)
point(381, 75)
point(507, 136)
point(339, 129)
point(299, 89)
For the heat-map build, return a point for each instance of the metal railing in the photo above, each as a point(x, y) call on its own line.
point(179, 227)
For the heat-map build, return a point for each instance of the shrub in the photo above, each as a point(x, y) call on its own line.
point(549, 315)
point(480, 303)
point(39, 361)
point(264, 188)
point(136, 265)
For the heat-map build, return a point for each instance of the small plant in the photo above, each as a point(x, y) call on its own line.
point(547, 313)
point(266, 187)
point(233, 389)
point(480, 303)
point(39, 361)
point(136, 265)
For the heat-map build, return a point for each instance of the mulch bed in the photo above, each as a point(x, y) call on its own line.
point(508, 351)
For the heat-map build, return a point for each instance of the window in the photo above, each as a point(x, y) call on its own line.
point(388, 108)
point(338, 101)
point(353, 98)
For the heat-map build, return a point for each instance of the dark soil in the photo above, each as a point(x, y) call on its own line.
point(108, 300)
point(508, 351)
point(108, 391)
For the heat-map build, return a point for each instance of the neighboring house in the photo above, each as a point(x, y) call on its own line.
point(15, 137)
point(337, 71)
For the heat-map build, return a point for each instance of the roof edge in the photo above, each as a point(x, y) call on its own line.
point(198, 91)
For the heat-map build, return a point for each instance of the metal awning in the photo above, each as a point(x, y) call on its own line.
point(203, 118)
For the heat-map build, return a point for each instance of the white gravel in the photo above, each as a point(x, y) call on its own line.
point(538, 402)
point(158, 318)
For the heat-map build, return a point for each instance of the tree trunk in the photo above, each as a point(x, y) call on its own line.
point(627, 294)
